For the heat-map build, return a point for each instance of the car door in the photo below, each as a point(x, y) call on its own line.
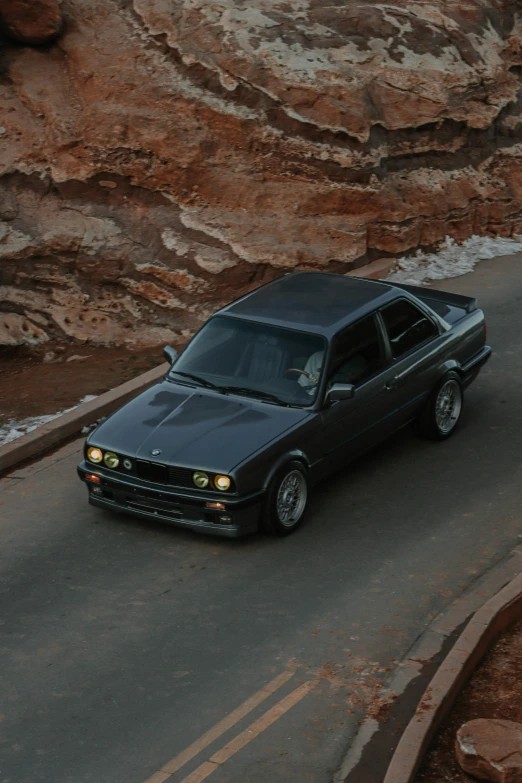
point(349, 427)
point(415, 342)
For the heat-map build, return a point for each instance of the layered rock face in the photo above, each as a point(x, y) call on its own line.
point(164, 156)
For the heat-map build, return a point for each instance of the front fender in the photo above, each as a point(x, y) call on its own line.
point(299, 442)
point(295, 454)
point(256, 474)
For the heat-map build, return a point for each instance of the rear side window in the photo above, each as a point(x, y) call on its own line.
point(407, 326)
point(356, 353)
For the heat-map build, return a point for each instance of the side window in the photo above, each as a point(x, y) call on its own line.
point(407, 326)
point(356, 353)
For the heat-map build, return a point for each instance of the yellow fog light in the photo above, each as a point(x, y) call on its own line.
point(200, 479)
point(222, 483)
point(94, 454)
point(111, 460)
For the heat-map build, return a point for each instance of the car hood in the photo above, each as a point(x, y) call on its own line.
point(194, 428)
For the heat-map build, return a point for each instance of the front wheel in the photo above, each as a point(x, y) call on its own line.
point(442, 413)
point(287, 500)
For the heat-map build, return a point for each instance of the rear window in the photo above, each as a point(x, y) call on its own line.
point(407, 326)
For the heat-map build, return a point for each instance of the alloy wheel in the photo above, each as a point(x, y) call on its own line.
point(291, 498)
point(448, 406)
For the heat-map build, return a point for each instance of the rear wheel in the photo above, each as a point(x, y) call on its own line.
point(287, 500)
point(442, 412)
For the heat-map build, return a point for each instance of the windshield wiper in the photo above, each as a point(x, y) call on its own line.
point(201, 381)
point(236, 389)
point(255, 393)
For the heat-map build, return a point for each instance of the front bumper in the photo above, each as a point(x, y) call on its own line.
point(177, 507)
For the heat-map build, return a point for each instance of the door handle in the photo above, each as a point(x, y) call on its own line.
point(391, 384)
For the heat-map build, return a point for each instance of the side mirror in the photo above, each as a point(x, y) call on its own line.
point(170, 354)
point(340, 391)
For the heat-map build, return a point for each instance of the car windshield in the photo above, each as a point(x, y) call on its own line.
point(271, 363)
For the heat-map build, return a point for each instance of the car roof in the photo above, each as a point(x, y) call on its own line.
point(317, 302)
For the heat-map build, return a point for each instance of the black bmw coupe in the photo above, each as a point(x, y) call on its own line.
point(277, 390)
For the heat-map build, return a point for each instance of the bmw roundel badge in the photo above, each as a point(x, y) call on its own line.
point(155, 452)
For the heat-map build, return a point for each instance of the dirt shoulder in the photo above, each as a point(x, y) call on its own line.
point(40, 384)
point(494, 691)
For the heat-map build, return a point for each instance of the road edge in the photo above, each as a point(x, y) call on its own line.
point(479, 635)
point(56, 431)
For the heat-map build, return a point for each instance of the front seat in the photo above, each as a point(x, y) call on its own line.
point(266, 359)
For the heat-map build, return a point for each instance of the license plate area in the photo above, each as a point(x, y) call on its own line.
point(164, 512)
point(154, 503)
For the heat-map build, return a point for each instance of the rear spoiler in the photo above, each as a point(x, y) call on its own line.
point(468, 303)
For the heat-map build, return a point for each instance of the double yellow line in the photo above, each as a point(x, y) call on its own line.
point(242, 739)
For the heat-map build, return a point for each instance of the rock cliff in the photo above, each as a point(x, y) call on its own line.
point(159, 157)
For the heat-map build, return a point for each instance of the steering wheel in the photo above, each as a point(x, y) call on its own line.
point(311, 378)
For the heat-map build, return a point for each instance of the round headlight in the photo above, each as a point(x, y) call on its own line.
point(111, 460)
point(127, 464)
point(94, 454)
point(222, 483)
point(200, 479)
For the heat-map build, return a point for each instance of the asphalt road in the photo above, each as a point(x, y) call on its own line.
point(122, 643)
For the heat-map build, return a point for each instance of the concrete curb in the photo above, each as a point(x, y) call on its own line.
point(63, 427)
point(482, 631)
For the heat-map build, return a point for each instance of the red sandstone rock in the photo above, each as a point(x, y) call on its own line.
point(19, 330)
point(491, 750)
point(31, 21)
point(169, 155)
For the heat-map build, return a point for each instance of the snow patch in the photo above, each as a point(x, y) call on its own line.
point(452, 259)
point(15, 429)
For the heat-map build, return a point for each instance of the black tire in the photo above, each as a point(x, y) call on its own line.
point(441, 414)
point(287, 500)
